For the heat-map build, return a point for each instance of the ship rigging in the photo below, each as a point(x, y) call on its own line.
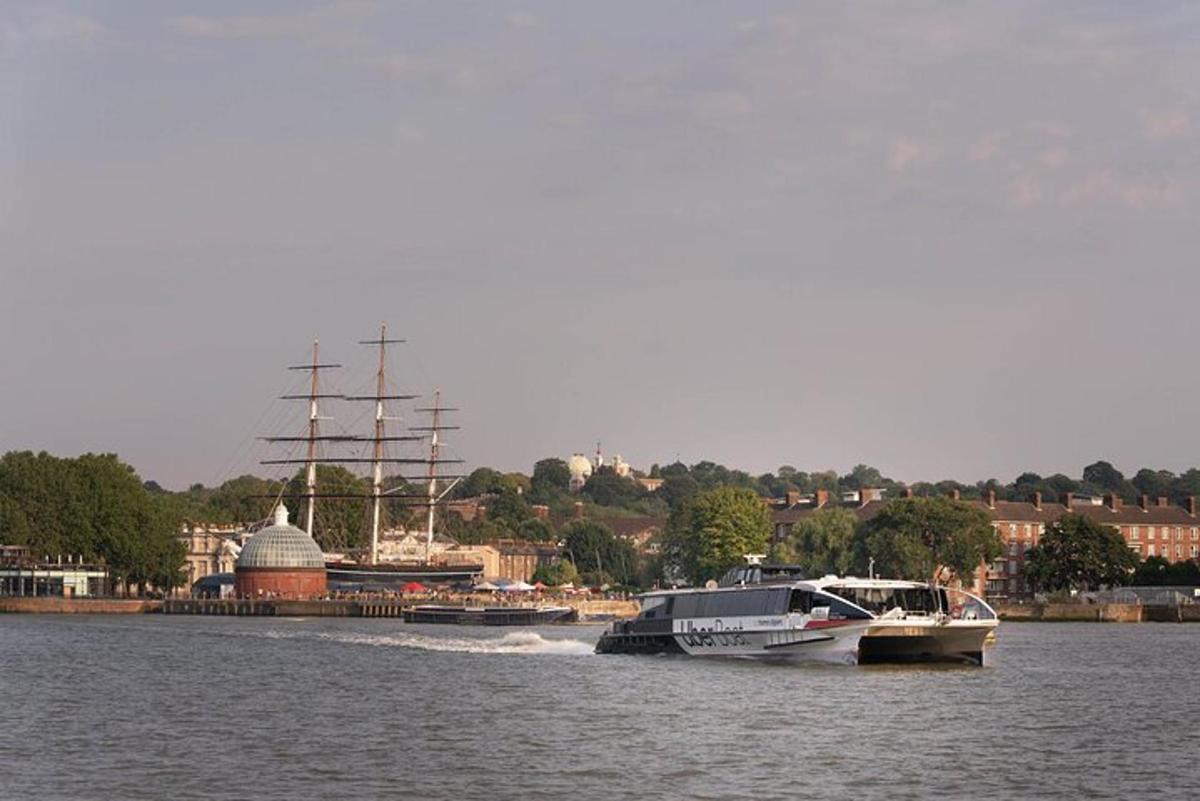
point(438, 484)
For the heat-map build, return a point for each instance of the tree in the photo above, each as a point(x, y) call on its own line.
point(535, 530)
point(481, 481)
point(508, 509)
point(609, 489)
point(821, 543)
point(1077, 553)
point(1105, 476)
point(94, 506)
point(561, 572)
point(1154, 483)
point(915, 538)
point(338, 523)
point(599, 554)
point(550, 477)
point(1156, 571)
point(862, 476)
point(677, 489)
point(715, 530)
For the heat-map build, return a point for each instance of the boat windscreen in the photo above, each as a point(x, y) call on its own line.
point(880, 600)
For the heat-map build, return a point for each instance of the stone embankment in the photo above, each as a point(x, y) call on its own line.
point(1099, 613)
point(587, 609)
point(78, 606)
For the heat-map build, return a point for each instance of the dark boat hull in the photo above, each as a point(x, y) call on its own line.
point(489, 616)
point(611, 643)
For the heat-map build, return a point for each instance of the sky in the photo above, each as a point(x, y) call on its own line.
point(946, 240)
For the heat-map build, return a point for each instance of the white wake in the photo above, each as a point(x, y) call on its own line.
point(517, 642)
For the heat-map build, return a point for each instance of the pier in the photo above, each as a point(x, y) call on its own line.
point(281, 607)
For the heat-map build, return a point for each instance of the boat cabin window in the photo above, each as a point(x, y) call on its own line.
point(880, 600)
point(743, 603)
point(800, 602)
point(653, 605)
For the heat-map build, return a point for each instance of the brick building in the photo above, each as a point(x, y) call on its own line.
point(1150, 528)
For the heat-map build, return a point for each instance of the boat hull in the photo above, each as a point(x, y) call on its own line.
point(838, 645)
point(907, 642)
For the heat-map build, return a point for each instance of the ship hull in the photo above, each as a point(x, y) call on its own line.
point(908, 643)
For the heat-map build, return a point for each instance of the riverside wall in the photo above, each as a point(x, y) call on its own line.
point(78, 606)
point(1099, 613)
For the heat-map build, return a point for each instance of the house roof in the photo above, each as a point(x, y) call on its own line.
point(1026, 512)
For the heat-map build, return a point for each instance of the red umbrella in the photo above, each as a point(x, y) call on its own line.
point(413, 586)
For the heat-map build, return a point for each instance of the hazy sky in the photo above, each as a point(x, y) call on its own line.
point(946, 240)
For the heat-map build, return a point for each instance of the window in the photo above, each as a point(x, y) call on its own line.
point(1150, 532)
point(1150, 550)
point(1012, 529)
point(1028, 530)
point(1195, 534)
point(1134, 533)
point(1012, 567)
point(1195, 551)
point(1012, 549)
point(1178, 551)
point(1178, 533)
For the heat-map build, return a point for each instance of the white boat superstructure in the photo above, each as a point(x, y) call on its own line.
point(787, 621)
point(917, 622)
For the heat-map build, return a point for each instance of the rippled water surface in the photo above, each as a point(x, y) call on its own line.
point(156, 707)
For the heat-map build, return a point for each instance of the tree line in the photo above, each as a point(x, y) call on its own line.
point(93, 506)
point(96, 506)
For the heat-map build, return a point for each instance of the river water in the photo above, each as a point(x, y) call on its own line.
point(166, 707)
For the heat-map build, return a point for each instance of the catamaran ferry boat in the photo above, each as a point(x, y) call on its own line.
point(917, 622)
point(787, 621)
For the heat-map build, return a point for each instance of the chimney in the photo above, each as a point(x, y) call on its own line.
point(793, 497)
point(1161, 500)
point(1143, 501)
point(578, 510)
point(1068, 498)
point(1112, 501)
point(822, 498)
point(1037, 501)
point(908, 493)
point(955, 494)
point(990, 497)
point(1190, 505)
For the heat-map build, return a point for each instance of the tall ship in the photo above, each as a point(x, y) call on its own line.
point(424, 487)
point(787, 620)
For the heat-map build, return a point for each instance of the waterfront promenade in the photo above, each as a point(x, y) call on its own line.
point(585, 608)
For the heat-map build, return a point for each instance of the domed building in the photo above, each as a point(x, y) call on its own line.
point(581, 468)
point(282, 561)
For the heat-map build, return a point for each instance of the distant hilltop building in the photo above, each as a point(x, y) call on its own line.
point(582, 468)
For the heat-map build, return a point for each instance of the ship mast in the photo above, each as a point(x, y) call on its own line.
point(380, 437)
point(434, 428)
point(313, 434)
